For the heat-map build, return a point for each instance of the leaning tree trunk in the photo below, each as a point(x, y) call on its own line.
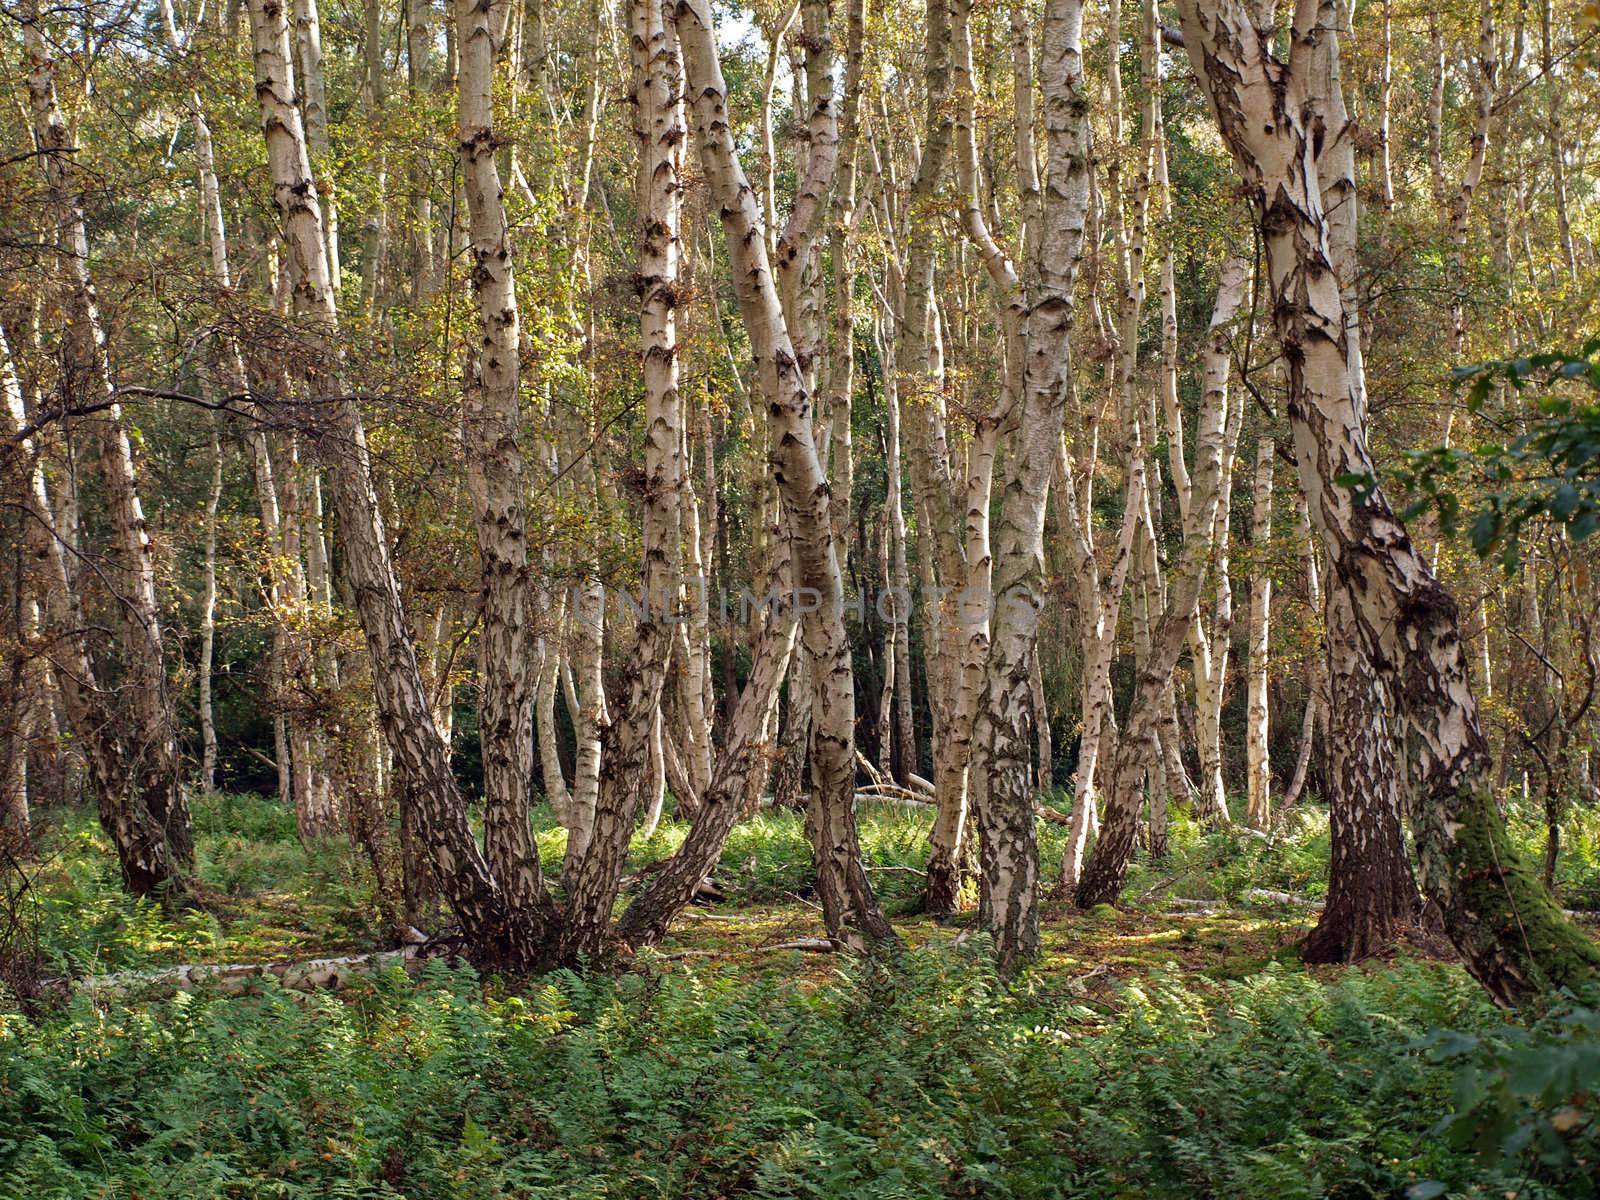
point(157, 773)
point(650, 913)
point(497, 932)
point(1509, 931)
point(850, 908)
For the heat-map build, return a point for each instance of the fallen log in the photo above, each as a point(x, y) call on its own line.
point(1263, 896)
point(232, 979)
point(812, 945)
point(898, 796)
point(915, 783)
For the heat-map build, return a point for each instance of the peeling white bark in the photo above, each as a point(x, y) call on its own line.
point(1511, 936)
point(1258, 770)
point(850, 908)
point(155, 782)
point(1008, 851)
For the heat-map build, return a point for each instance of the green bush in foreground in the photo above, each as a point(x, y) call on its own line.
point(926, 1080)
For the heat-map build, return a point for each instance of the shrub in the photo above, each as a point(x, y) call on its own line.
point(926, 1079)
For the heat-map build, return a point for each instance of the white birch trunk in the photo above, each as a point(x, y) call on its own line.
point(589, 717)
point(849, 906)
point(1008, 851)
point(1258, 771)
point(313, 100)
point(491, 423)
point(1512, 937)
point(157, 774)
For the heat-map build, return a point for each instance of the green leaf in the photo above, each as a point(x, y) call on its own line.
point(1584, 524)
point(1564, 502)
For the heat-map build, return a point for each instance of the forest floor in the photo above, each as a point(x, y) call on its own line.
point(1223, 905)
point(1179, 1034)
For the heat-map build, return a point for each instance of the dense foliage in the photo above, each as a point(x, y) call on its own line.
point(1207, 1062)
point(800, 588)
point(1549, 473)
point(922, 1080)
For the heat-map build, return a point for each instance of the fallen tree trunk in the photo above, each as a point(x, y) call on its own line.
point(1263, 896)
point(232, 979)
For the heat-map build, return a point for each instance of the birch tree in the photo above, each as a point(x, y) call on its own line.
point(154, 795)
point(1510, 934)
point(500, 932)
point(491, 426)
point(849, 905)
point(1009, 850)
